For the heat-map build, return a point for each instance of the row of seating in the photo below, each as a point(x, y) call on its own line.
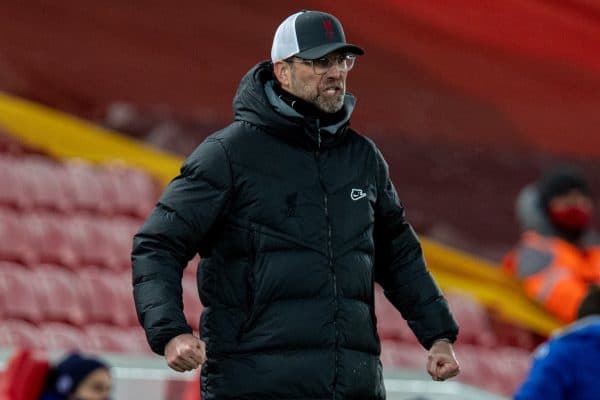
point(73, 240)
point(48, 293)
point(477, 325)
point(36, 182)
point(59, 336)
point(500, 370)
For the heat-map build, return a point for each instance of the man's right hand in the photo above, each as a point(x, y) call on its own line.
point(185, 352)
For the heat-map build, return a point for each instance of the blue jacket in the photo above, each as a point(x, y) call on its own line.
point(566, 367)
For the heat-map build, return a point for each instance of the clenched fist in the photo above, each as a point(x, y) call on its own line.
point(441, 362)
point(185, 352)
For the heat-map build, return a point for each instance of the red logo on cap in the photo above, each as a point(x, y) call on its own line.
point(328, 26)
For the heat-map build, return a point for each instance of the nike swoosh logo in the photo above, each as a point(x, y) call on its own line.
point(357, 194)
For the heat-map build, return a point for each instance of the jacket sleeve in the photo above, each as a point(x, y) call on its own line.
point(173, 233)
point(401, 270)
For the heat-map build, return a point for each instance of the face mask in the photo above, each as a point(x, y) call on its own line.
point(573, 219)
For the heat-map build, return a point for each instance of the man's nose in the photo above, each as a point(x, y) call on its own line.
point(334, 71)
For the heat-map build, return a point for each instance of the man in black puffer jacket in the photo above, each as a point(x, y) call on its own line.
point(295, 218)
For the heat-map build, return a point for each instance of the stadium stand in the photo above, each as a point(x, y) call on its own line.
point(65, 236)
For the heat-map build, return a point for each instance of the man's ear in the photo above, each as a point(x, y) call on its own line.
point(282, 72)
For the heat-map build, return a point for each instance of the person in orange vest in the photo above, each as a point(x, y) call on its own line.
point(558, 256)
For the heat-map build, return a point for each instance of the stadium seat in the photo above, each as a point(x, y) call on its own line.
point(499, 370)
point(108, 297)
point(119, 233)
point(18, 299)
point(107, 338)
point(15, 242)
point(111, 338)
point(132, 192)
point(390, 324)
point(98, 295)
point(50, 239)
point(14, 191)
point(18, 333)
point(101, 241)
point(8, 265)
point(92, 241)
point(64, 337)
point(59, 295)
point(136, 341)
point(85, 188)
point(45, 183)
point(124, 295)
point(473, 318)
point(396, 354)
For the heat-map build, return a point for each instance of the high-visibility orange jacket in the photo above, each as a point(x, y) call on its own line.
point(554, 272)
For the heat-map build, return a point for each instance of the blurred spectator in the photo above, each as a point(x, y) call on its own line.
point(558, 256)
point(567, 366)
point(78, 378)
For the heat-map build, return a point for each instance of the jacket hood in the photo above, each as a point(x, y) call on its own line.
point(257, 103)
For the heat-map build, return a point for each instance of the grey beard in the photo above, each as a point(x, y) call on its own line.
point(329, 106)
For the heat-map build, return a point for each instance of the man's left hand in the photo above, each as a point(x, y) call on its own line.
point(441, 361)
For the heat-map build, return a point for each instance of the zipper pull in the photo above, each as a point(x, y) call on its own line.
point(318, 126)
point(319, 139)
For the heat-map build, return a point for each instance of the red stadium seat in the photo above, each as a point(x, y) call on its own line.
point(108, 297)
point(403, 355)
point(59, 295)
point(119, 235)
point(8, 265)
point(390, 324)
point(85, 188)
point(18, 333)
point(473, 318)
point(92, 242)
point(136, 341)
point(46, 183)
point(15, 244)
point(50, 239)
point(499, 370)
point(18, 298)
point(107, 338)
point(132, 192)
point(98, 295)
point(64, 337)
point(104, 242)
point(111, 338)
point(15, 191)
point(124, 295)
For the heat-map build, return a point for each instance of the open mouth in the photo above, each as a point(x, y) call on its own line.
point(333, 90)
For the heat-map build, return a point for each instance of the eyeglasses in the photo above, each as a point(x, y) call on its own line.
point(320, 66)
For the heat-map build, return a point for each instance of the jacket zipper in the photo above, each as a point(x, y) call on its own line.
point(329, 258)
point(250, 282)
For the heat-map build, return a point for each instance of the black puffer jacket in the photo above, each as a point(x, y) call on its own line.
point(294, 223)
